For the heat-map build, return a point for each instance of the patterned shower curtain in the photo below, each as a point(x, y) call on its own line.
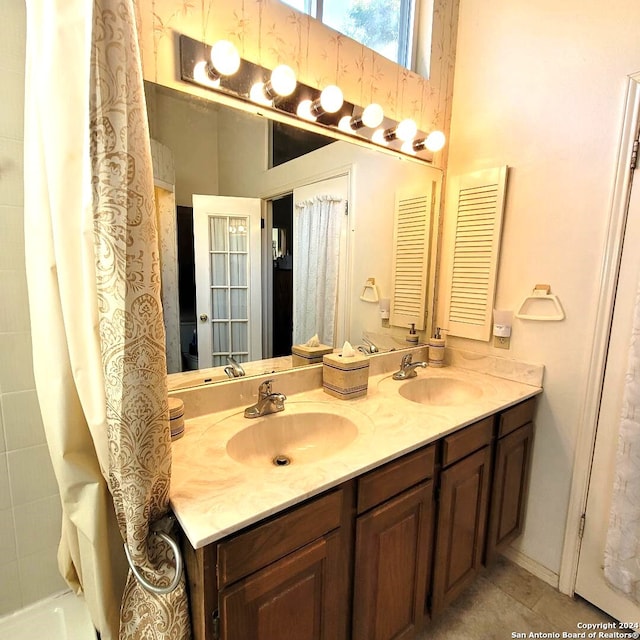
point(131, 324)
point(97, 325)
point(622, 549)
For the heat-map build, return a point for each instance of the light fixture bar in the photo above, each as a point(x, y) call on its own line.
point(279, 92)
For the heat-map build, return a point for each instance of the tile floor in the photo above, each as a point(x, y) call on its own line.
point(506, 600)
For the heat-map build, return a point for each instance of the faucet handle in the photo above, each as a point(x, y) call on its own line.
point(371, 347)
point(406, 359)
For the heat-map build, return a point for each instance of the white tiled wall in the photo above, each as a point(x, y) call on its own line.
point(29, 502)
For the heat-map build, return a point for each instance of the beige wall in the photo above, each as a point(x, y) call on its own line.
point(29, 502)
point(539, 86)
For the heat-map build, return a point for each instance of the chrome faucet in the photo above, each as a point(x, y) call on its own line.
point(408, 368)
point(368, 347)
point(268, 402)
point(234, 370)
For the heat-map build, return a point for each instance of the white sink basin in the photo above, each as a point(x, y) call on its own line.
point(440, 390)
point(300, 434)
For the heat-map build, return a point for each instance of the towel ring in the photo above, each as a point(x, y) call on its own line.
point(152, 588)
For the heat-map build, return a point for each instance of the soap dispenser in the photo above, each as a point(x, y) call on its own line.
point(412, 336)
point(436, 349)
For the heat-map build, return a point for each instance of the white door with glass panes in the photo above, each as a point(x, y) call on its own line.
point(227, 251)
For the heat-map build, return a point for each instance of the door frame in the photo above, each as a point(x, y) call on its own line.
point(609, 272)
point(267, 197)
point(266, 267)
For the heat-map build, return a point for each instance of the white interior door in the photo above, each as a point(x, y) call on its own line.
point(590, 583)
point(227, 252)
point(337, 187)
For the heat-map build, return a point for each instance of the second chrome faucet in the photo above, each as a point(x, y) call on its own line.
point(268, 402)
point(408, 368)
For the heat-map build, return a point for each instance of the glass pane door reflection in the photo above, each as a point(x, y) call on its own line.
point(229, 264)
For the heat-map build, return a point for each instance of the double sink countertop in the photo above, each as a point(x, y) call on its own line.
point(213, 495)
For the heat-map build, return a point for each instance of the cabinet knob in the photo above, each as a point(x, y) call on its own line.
point(203, 317)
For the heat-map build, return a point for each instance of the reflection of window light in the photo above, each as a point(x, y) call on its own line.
point(396, 29)
point(306, 6)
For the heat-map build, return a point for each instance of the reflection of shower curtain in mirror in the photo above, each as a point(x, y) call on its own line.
point(316, 245)
point(622, 550)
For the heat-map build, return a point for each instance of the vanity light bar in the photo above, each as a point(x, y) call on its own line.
point(320, 110)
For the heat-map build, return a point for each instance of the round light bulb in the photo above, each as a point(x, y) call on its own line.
point(201, 76)
point(257, 94)
point(304, 110)
point(407, 147)
point(345, 124)
point(406, 130)
point(372, 116)
point(331, 98)
point(225, 57)
point(378, 137)
point(283, 80)
point(435, 141)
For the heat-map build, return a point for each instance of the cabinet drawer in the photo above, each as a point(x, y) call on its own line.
point(394, 477)
point(466, 441)
point(515, 417)
point(254, 549)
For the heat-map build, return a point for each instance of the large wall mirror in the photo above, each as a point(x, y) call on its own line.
point(223, 156)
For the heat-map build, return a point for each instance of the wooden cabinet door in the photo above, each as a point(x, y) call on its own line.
point(392, 567)
point(462, 518)
point(509, 493)
point(297, 598)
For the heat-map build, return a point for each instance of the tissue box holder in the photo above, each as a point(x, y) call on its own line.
point(301, 355)
point(345, 377)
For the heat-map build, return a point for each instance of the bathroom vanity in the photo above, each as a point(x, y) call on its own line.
point(369, 541)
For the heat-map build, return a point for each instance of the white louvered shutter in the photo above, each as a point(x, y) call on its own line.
point(477, 200)
point(411, 242)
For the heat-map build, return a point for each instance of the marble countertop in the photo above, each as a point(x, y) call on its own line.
point(212, 495)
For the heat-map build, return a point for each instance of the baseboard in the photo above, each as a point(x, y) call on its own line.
point(519, 558)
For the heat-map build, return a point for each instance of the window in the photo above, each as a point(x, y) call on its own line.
point(386, 26)
point(288, 143)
